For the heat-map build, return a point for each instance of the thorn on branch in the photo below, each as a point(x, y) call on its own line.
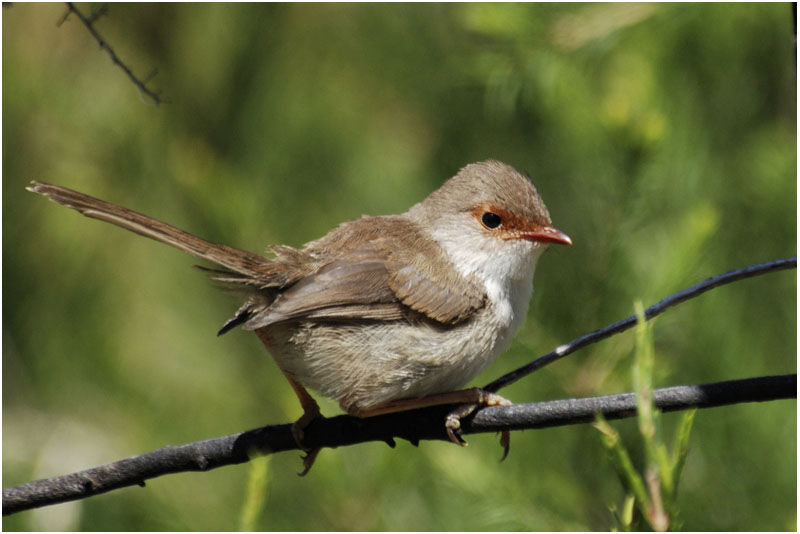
point(96, 14)
point(64, 17)
point(149, 77)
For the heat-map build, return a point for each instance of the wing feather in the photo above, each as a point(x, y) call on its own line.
point(375, 276)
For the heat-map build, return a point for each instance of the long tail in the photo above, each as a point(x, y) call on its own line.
point(242, 262)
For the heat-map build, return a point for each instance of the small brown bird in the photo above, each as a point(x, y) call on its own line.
point(385, 313)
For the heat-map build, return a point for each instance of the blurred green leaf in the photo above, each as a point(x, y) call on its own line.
point(256, 493)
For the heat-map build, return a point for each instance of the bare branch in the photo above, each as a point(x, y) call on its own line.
point(155, 96)
point(649, 313)
point(414, 426)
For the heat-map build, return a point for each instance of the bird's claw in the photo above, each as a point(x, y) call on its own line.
point(308, 460)
point(505, 442)
point(453, 420)
point(298, 433)
point(453, 426)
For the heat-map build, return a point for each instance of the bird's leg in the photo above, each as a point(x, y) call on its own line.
point(310, 407)
point(472, 398)
point(310, 412)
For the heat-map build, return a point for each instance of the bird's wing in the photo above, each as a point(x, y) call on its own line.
point(340, 290)
point(425, 280)
point(376, 277)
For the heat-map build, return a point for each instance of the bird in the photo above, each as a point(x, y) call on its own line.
point(384, 313)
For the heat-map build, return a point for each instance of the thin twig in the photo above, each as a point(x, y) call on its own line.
point(652, 311)
point(88, 22)
point(347, 430)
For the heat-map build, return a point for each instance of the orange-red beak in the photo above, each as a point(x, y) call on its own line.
point(545, 234)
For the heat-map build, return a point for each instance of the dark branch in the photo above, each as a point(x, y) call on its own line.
point(652, 311)
point(155, 96)
point(347, 430)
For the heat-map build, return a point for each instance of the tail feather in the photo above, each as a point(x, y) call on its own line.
point(250, 266)
point(227, 278)
point(261, 277)
point(241, 317)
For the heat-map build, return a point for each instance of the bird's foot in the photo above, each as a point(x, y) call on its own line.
point(469, 400)
point(481, 398)
point(310, 413)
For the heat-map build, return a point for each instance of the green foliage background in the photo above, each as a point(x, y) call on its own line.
point(662, 137)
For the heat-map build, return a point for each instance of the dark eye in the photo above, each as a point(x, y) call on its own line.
point(491, 220)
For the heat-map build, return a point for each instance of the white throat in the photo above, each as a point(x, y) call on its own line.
point(506, 270)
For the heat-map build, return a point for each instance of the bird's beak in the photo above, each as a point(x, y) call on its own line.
point(545, 234)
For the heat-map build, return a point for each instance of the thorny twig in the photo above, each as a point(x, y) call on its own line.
point(154, 96)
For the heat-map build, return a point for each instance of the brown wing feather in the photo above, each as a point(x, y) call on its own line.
point(390, 268)
point(424, 280)
point(339, 290)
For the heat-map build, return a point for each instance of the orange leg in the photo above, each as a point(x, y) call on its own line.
point(310, 407)
point(310, 412)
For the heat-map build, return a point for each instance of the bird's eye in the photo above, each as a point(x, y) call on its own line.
point(491, 220)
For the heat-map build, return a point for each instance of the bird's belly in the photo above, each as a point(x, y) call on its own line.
point(368, 364)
